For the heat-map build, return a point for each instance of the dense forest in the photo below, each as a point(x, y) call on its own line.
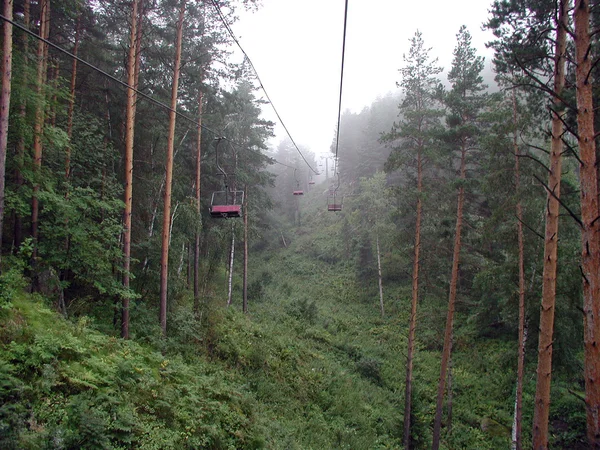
point(169, 279)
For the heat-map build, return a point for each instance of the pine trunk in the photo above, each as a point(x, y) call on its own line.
point(164, 258)
point(544, 367)
point(5, 101)
point(129, 137)
point(590, 234)
point(198, 212)
point(437, 426)
point(39, 119)
point(245, 294)
point(413, 309)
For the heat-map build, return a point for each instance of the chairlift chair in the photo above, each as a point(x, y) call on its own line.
point(226, 203)
point(334, 203)
point(298, 191)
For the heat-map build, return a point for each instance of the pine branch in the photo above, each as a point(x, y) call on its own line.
point(551, 192)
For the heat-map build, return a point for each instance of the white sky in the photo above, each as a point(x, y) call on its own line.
point(296, 47)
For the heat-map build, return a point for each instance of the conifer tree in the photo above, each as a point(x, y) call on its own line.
point(464, 102)
point(413, 138)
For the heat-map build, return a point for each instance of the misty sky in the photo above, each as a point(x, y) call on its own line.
point(296, 47)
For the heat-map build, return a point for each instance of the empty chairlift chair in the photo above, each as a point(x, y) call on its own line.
point(334, 203)
point(298, 191)
point(227, 203)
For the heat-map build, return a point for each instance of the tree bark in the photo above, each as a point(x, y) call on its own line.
point(129, 138)
point(245, 284)
point(198, 212)
point(164, 259)
point(544, 367)
point(413, 309)
point(38, 128)
point(590, 233)
point(451, 303)
point(5, 102)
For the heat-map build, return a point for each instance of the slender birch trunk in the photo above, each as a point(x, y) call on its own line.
point(379, 277)
point(590, 233)
point(129, 138)
point(245, 284)
point(5, 101)
point(230, 274)
point(544, 367)
point(164, 259)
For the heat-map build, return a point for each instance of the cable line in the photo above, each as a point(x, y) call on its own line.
point(122, 83)
point(337, 138)
point(230, 31)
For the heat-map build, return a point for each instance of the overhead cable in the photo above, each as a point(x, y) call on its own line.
point(337, 138)
point(230, 31)
point(122, 83)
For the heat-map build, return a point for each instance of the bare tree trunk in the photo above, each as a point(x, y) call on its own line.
point(380, 277)
point(198, 212)
point(413, 310)
point(245, 284)
point(516, 427)
point(230, 274)
point(72, 99)
point(18, 228)
point(437, 426)
point(164, 259)
point(522, 336)
point(590, 233)
point(129, 138)
point(39, 118)
point(5, 103)
point(544, 367)
point(449, 406)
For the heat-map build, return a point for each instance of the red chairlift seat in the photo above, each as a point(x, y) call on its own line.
point(225, 205)
point(311, 182)
point(334, 204)
point(298, 192)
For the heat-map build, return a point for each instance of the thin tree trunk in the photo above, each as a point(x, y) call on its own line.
point(380, 277)
point(413, 310)
point(516, 427)
point(164, 259)
point(521, 343)
point(39, 119)
point(198, 212)
point(18, 228)
point(544, 367)
point(245, 284)
point(230, 274)
point(129, 138)
point(451, 304)
point(72, 99)
point(449, 406)
point(590, 233)
point(5, 102)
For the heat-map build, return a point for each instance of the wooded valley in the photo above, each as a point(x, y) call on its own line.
point(169, 279)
